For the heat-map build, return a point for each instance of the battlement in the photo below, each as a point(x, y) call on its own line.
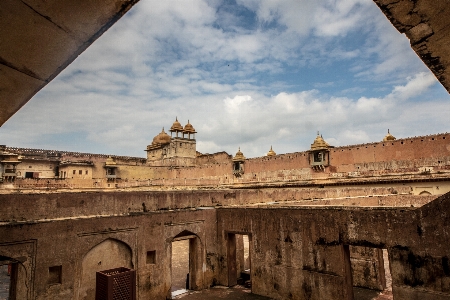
point(58, 153)
point(424, 138)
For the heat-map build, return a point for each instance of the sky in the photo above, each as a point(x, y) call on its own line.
point(250, 74)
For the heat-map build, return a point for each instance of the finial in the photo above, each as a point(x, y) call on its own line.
point(318, 132)
point(270, 147)
point(388, 130)
point(176, 119)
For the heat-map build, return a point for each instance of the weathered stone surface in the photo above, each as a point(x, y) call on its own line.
point(295, 252)
point(427, 25)
point(41, 38)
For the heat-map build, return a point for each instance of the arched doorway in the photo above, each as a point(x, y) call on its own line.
point(106, 255)
point(13, 278)
point(185, 263)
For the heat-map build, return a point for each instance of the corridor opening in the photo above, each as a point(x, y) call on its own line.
point(239, 259)
point(12, 279)
point(369, 274)
point(186, 264)
point(180, 267)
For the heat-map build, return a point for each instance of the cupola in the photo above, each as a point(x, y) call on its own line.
point(176, 127)
point(110, 161)
point(189, 130)
point(319, 154)
point(239, 156)
point(238, 163)
point(271, 152)
point(319, 143)
point(388, 137)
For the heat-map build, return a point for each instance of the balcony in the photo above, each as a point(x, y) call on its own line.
point(9, 174)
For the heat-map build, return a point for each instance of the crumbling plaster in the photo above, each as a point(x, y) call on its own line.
point(426, 24)
point(296, 252)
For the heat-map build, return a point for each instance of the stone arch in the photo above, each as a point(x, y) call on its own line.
point(18, 288)
point(424, 193)
point(108, 254)
point(196, 260)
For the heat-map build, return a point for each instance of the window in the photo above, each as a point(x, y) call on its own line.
point(86, 172)
point(80, 172)
point(54, 275)
point(74, 172)
point(151, 257)
point(317, 156)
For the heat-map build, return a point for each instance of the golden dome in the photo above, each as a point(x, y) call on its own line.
point(189, 128)
point(176, 126)
point(161, 138)
point(389, 137)
point(271, 152)
point(239, 155)
point(110, 161)
point(319, 143)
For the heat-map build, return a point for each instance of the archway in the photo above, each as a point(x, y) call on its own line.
point(424, 193)
point(185, 263)
point(106, 255)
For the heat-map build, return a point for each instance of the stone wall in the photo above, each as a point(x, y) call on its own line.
point(19, 207)
point(425, 23)
point(83, 246)
point(301, 253)
point(296, 252)
point(45, 169)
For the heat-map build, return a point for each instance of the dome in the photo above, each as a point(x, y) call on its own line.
point(389, 137)
point(271, 152)
point(161, 138)
point(176, 126)
point(319, 143)
point(239, 155)
point(189, 128)
point(110, 161)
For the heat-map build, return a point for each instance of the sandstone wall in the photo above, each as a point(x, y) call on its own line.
point(19, 207)
point(425, 23)
point(301, 253)
point(83, 246)
point(296, 252)
point(46, 169)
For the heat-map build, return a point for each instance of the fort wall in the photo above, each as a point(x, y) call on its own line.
point(80, 247)
point(301, 254)
point(296, 252)
point(20, 207)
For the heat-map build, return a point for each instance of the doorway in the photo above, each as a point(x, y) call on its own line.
point(180, 267)
point(186, 263)
point(12, 277)
point(369, 272)
point(239, 259)
point(5, 282)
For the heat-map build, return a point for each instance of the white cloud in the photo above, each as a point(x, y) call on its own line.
point(272, 79)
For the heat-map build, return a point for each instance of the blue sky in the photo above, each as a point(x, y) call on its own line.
point(247, 74)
